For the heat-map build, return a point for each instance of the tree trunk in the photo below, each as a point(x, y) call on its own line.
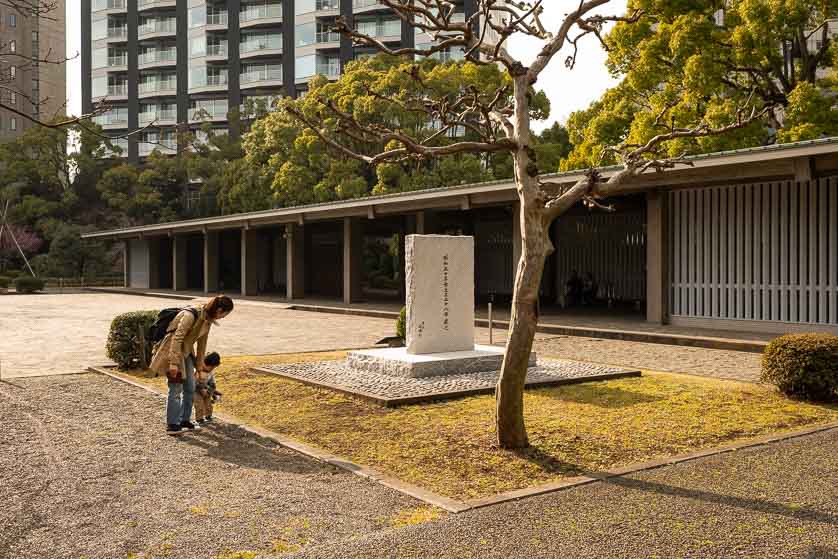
point(511, 431)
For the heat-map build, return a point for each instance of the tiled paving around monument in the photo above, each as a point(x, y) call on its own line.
point(391, 390)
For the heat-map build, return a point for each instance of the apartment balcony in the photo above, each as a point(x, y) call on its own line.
point(209, 84)
point(159, 118)
point(384, 30)
point(157, 59)
point(327, 7)
point(114, 119)
point(158, 28)
point(117, 34)
point(118, 92)
point(109, 6)
point(368, 6)
point(328, 38)
point(157, 89)
point(197, 116)
point(253, 15)
point(330, 69)
point(117, 63)
point(144, 5)
point(265, 46)
point(268, 75)
point(166, 147)
point(120, 148)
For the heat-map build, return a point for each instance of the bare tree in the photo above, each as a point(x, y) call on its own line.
point(501, 123)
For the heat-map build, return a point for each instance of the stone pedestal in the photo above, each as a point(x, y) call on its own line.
point(398, 362)
point(440, 293)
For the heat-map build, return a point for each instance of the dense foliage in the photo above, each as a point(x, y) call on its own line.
point(692, 62)
point(803, 366)
point(123, 345)
point(28, 284)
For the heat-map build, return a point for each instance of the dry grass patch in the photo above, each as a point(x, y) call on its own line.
point(448, 447)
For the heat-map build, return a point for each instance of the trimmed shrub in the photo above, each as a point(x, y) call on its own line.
point(5, 282)
point(123, 339)
point(401, 324)
point(28, 284)
point(803, 366)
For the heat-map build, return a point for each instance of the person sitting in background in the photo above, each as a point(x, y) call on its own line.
point(573, 289)
point(589, 289)
point(205, 388)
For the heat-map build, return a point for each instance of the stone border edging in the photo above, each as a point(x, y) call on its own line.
point(456, 506)
point(441, 395)
point(449, 505)
point(750, 346)
point(123, 291)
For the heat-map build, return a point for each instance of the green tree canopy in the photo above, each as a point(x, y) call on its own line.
point(300, 168)
point(689, 61)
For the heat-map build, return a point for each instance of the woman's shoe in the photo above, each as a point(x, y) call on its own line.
point(189, 425)
point(174, 429)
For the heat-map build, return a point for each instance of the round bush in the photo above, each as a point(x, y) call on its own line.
point(5, 282)
point(28, 284)
point(122, 346)
point(803, 366)
point(401, 324)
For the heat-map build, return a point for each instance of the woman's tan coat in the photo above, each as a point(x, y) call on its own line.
point(185, 331)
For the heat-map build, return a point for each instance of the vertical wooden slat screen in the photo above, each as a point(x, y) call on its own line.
point(766, 251)
point(612, 247)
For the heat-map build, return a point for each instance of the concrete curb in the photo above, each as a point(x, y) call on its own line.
point(157, 295)
point(438, 396)
point(751, 346)
point(449, 505)
point(456, 506)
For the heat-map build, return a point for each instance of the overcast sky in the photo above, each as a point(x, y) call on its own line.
point(567, 90)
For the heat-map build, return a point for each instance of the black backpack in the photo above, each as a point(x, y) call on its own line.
point(164, 318)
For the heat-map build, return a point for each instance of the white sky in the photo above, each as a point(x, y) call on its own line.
point(568, 90)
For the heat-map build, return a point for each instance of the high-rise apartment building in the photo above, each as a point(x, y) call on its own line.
point(182, 63)
point(32, 52)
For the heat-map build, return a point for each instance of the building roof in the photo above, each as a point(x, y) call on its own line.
point(393, 203)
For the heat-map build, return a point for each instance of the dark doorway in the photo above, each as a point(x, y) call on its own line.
point(382, 268)
point(229, 261)
point(324, 268)
point(164, 263)
point(195, 262)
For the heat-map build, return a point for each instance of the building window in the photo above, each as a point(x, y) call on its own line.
point(12, 20)
point(13, 97)
point(12, 46)
point(12, 72)
point(13, 124)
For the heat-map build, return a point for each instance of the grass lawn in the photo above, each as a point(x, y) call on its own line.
point(448, 448)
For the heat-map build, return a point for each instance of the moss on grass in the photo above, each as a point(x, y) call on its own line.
point(448, 447)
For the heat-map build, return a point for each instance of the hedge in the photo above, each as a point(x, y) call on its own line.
point(803, 366)
point(5, 282)
point(28, 284)
point(122, 346)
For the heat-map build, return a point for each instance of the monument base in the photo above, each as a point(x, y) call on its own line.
point(396, 361)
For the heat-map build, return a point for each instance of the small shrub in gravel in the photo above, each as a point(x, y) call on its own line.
point(28, 284)
point(122, 346)
point(401, 324)
point(803, 366)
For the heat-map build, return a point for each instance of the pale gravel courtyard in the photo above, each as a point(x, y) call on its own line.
point(65, 333)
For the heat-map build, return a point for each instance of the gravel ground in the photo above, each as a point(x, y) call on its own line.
point(777, 501)
point(87, 471)
point(716, 363)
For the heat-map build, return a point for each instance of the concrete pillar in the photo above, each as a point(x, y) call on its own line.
point(178, 263)
point(126, 260)
point(352, 262)
point(295, 261)
point(656, 264)
point(420, 222)
point(210, 262)
point(517, 241)
point(250, 262)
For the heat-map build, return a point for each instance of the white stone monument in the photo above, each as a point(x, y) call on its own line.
point(440, 315)
point(440, 293)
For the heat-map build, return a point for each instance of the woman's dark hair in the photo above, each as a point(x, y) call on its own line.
point(218, 304)
point(212, 359)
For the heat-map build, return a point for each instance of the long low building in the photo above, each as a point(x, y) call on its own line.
point(744, 240)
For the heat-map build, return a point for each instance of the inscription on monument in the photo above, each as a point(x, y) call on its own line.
point(440, 293)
